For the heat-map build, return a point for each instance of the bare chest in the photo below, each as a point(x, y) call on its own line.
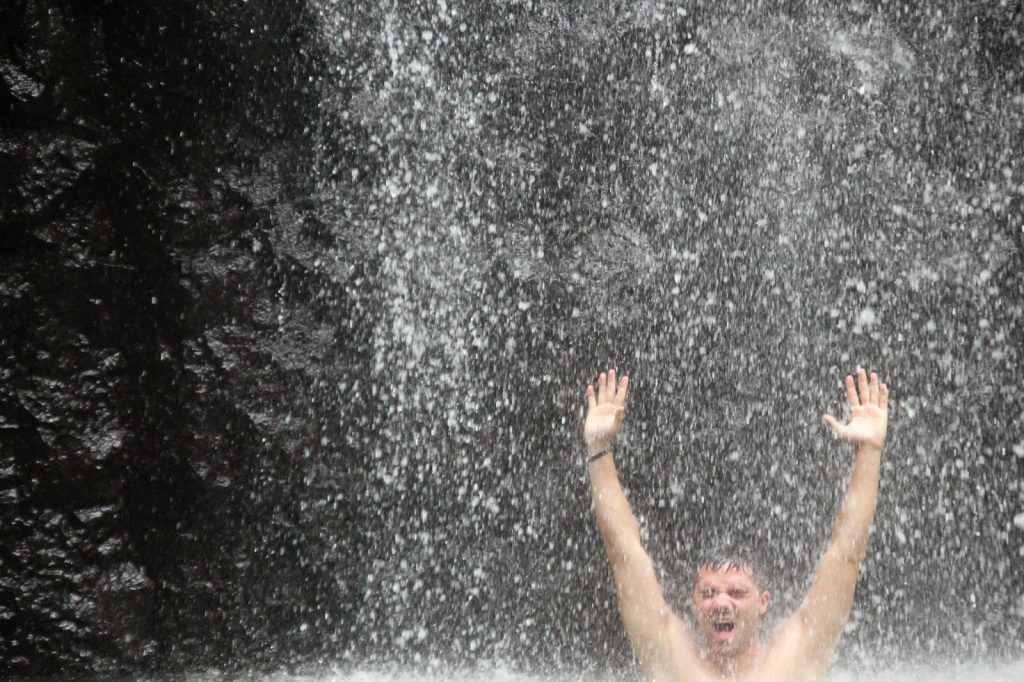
point(784, 661)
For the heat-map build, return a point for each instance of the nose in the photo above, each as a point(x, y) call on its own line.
point(722, 604)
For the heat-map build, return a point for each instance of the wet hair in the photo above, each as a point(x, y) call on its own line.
point(731, 562)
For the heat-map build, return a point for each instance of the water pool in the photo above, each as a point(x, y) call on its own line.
point(1012, 671)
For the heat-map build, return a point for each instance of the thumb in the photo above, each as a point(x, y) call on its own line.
point(833, 423)
point(620, 413)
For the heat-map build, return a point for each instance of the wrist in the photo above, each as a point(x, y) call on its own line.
point(599, 455)
point(868, 449)
point(598, 446)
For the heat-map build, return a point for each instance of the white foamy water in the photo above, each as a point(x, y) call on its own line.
point(974, 672)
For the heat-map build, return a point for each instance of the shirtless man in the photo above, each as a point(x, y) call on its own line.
point(727, 598)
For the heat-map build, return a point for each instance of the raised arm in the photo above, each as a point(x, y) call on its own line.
point(652, 627)
point(827, 605)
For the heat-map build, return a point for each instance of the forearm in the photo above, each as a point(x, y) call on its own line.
point(615, 519)
point(853, 523)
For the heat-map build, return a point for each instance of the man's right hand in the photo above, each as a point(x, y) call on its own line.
point(869, 412)
point(605, 411)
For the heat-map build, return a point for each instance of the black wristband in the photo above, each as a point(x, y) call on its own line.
point(598, 455)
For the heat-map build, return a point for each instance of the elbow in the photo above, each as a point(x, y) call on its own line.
point(850, 544)
point(620, 537)
point(849, 550)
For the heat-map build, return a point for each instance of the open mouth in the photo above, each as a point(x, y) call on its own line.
point(723, 627)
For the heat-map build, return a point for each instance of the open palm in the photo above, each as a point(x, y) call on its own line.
point(605, 410)
point(869, 412)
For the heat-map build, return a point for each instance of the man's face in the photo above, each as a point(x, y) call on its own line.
point(728, 604)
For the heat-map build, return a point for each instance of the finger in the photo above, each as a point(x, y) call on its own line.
point(862, 384)
point(602, 386)
point(591, 398)
point(883, 397)
point(873, 388)
point(620, 394)
point(851, 392)
point(610, 395)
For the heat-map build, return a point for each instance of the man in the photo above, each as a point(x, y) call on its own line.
point(728, 598)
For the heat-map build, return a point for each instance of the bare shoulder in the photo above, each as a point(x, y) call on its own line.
point(677, 657)
point(790, 656)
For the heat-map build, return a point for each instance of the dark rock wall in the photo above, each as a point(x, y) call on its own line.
point(157, 326)
point(298, 301)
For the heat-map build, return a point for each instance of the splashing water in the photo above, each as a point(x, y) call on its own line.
point(963, 673)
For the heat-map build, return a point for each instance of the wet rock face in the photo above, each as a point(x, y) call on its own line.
point(149, 229)
point(297, 301)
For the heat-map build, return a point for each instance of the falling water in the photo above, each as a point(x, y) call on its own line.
point(735, 207)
